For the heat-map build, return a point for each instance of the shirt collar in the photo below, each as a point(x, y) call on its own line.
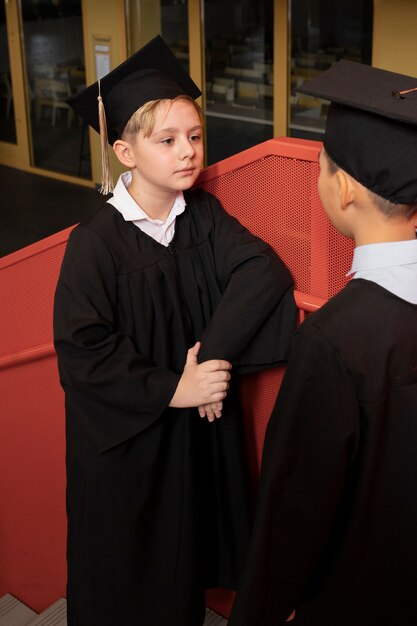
point(381, 255)
point(129, 208)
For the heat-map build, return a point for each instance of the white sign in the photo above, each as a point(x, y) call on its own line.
point(102, 55)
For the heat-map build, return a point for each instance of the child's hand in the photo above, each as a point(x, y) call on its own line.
point(201, 383)
point(211, 411)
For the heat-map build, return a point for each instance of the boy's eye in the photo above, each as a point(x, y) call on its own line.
point(195, 138)
point(168, 141)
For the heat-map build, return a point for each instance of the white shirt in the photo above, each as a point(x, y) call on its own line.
point(392, 265)
point(161, 231)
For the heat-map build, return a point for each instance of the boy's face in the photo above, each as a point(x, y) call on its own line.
point(329, 192)
point(327, 185)
point(170, 159)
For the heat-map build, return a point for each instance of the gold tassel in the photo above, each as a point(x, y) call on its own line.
point(106, 176)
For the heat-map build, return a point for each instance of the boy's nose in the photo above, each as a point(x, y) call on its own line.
point(186, 149)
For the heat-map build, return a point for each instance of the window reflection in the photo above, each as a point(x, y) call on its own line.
point(168, 18)
point(55, 69)
point(7, 121)
point(174, 28)
point(239, 75)
point(323, 33)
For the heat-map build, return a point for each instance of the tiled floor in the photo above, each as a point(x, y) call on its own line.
point(15, 613)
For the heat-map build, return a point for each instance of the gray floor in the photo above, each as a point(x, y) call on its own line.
point(35, 207)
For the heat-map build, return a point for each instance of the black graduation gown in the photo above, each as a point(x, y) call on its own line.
point(336, 529)
point(156, 497)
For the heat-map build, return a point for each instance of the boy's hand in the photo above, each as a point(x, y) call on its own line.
point(201, 383)
point(211, 411)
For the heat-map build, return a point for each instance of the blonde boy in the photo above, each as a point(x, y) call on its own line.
point(161, 292)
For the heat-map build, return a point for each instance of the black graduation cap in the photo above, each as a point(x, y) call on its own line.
point(371, 128)
point(152, 73)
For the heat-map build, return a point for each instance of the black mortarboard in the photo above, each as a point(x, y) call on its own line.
point(371, 128)
point(152, 73)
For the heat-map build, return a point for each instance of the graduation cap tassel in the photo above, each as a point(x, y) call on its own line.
point(106, 177)
point(401, 94)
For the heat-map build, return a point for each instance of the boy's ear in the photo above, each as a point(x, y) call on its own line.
point(346, 189)
point(123, 152)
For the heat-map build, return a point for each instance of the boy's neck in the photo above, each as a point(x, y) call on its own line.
point(386, 231)
point(390, 235)
point(365, 222)
point(156, 205)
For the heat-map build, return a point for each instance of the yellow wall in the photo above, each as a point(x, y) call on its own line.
point(395, 36)
point(281, 66)
point(104, 22)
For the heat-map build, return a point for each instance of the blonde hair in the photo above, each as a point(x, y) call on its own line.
point(144, 118)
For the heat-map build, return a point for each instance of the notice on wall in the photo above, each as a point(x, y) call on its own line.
point(102, 59)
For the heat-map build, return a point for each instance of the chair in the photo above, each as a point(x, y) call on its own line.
point(309, 102)
point(219, 80)
point(6, 91)
point(264, 68)
point(255, 74)
point(266, 91)
point(247, 93)
point(76, 79)
point(52, 93)
point(76, 82)
point(306, 72)
point(233, 71)
point(325, 60)
point(44, 70)
point(219, 91)
point(225, 88)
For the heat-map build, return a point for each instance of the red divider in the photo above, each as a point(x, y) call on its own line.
point(271, 188)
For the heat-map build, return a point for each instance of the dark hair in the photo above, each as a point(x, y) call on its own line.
point(388, 208)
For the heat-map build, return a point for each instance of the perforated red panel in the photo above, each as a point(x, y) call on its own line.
point(32, 446)
point(32, 484)
point(28, 280)
point(271, 188)
point(276, 198)
point(258, 394)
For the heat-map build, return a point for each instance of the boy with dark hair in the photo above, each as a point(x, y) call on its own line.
point(335, 535)
point(160, 293)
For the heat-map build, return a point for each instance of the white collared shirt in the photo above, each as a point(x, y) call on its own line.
point(392, 265)
point(161, 231)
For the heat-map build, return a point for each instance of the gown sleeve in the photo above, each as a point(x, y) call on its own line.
point(255, 319)
point(310, 446)
point(100, 370)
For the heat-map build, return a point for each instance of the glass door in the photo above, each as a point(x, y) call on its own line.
point(174, 29)
point(168, 18)
point(321, 34)
point(7, 114)
point(55, 69)
point(239, 75)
